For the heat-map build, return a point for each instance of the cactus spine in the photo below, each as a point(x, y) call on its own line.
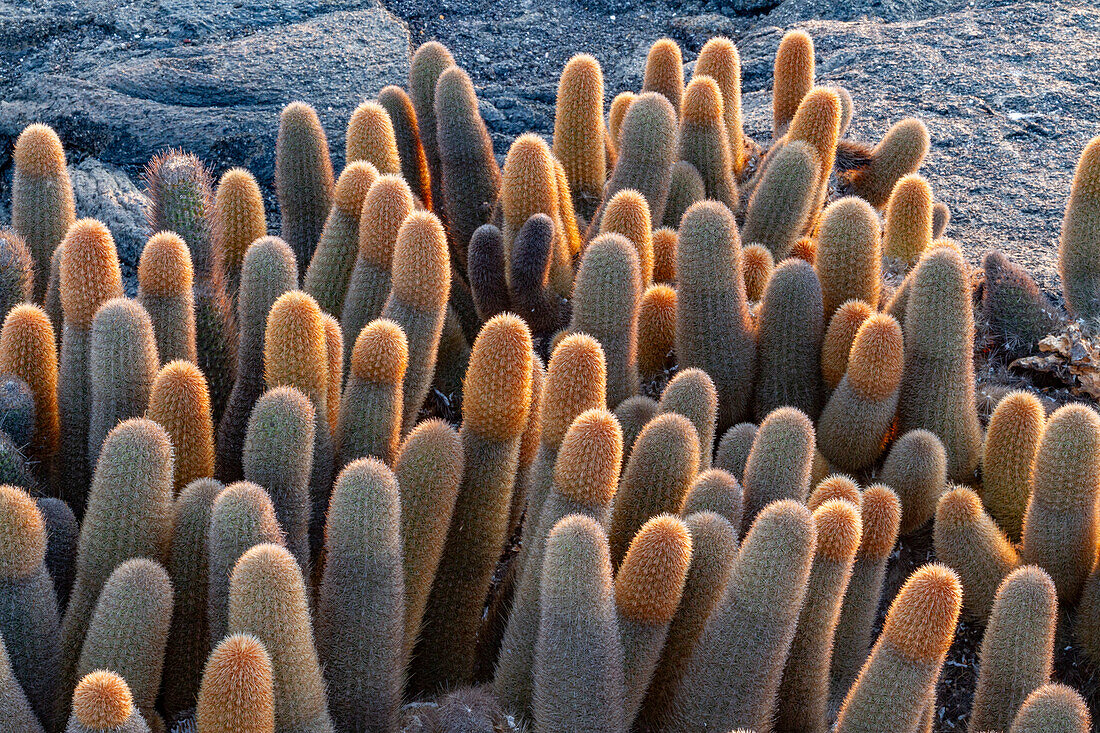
point(908, 230)
point(406, 130)
point(704, 140)
point(102, 703)
point(719, 60)
point(1079, 243)
point(779, 463)
point(303, 179)
point(370, 410)
point(792, 78)
point(180, 403)
point(239, 220)
point(28, 352)
point(165, 282)
point(664, 71)
point(237, 693)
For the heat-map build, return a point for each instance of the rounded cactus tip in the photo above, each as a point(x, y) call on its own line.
point(421, 262)
point(874, 368)
point(22, 534)
point(881, 510)
point(38, 152)
point(352, 187)
point(921, 621)
point(835, 486)
point(381, 353)
point(703, 101)
point(757, 265)
point(958, 507)
point(651, 579)
point(497, 390)
point(587, 469)
point(102, 701)
point(240, 658)
point(88, 270)
point(165, 266)
point(30, 322)
point(583, 69)
point(839, 529)
point(299, 112)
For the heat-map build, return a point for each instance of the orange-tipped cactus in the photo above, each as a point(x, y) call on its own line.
point(371, 138)
point(370, 410)
point(627, 213)
point(757, 265)
point(848, 258)
point(664, 71)
point(334, 353)
point(665, 242)
point(239, 220)
point(908, 230)
point(28, 352)
point(165, 279)
point(1079, 243)
point(901, 151)
point(237, 693)
point(579, 132)
point(180, 403)
point(656, 329)
point(899, 678)
point(704, 139)
point(719, 60)
point(102, 703)
point(835, 486)
point(406, 129)
point(1008, 455)
point(792, 78)
point(303, 179)
point(42, 208)
point(837, 344)
point(616, 113)
point(817, 123)
point(646, 151)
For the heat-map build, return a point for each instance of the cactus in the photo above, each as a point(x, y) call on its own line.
point(62, 532)
point(239, 220)
point(42, 207)
point(471, 177)
point(485, 268)
point(627, 214)
point(496, 399)
point(429, 470)
point(16, 271)
point(52, 302)
point(122, 365)
point(837, 343)
point(528, 276)
point(268, 271)
point(712, 320)
point(329, 271)
point(579, 132)
point(616, 113)
point(916, 469)
point(691, 393)
point(578, 670)
point(900, 151)
point(17, 413)
point(529, 444)
point(805, 249)
point(188, 567)
point(715, 490)
point(605, 305)
point(804, 692)
point(1052, 707)
point(792, 78)
point(386, 206)
point(429, 61)
point(685, 187)
point(733, 677)
point(406, 130)
point(778, 465)
point(242, 516)
point(782, 203)
point(1018, 313)
point(180, 403)
point(908, 230)
point(89, 275)
point(788, 348)
point(1008, 455)
point(880, 512)
point(899, 678)
point(656, 330)
point(733, 450)
point(835, 486)
point(937, 384)
point(360, 605)
point(817, 122)
point(303, 179)
point(664, 71)
point(267, 599)
point(128, 631)
point(713, 552)
point(848, 258)
point(370, 411)
point(941, 217)
point(656, 478)
point(28, 352)
point(570, 229)
point(646, 151)
point(29, 621)
point(237, 693)
point(334, 356)
point(1087, 629)
point(704, 140)
point(665, 242)
point(634, 413)
point(15, 709)
point(370, 138)
point(1060, 527)
point(1017, 654)
point(165, 282)
point(102, 703)
point(757, 266)
point(856, 422)
point(719, 60)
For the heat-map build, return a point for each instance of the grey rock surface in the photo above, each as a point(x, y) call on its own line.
point(105, 192)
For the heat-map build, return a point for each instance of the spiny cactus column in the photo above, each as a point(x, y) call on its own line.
point(180, 403)
point(733, 450)
point(664, 71)
point(916, 469)
point(42, 208)
point(691, 393)
point(278, 455)
point(528, 290)
point(429, 471)
point(834, 486)
point(837, 344)
point(89, 275)
point(471, 177)
point(848, 257)
point(656, 329)
point(757, 265)
point(334, 357)
point(485, 269)
point(15, 709)
point(715, 490)
point(16, 270)
point(792, 78)
point(303, 179)
point(360, 605)
point(496, 398)
point(900, 151)
point(615, 115)
point(627, 213)
point(1061, 527)
point(165, 281)
point(782, 202)
point(733, 677)
point(578, 672)
point(1019, 314)
point(239, 220)
point(429, 61)
point(899, 678)
point(52, 302)
point(62, 532)
point(778, 465)
point(102, 703)
point(710, 293)
point(856, 422)
point(605, 305)
point(370, 411)
point(704, 140)
point(237, 693)
point(719, 60)
point(267, 599)
point(1017, 654)
point(817, 122)
point(529, 444)
point(330, 268)
point(648, 589)
point(908, 230)
point(29, 623)
point(129, 631)
point(685, 187)
point(268, 271)
point(804, 692)
point(1080, 243)
point(406, 130)
point(1053, 707)
point(937, 385)
point(28, 352)
point(370, 138)
point(969, 542)
point(665, 242)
